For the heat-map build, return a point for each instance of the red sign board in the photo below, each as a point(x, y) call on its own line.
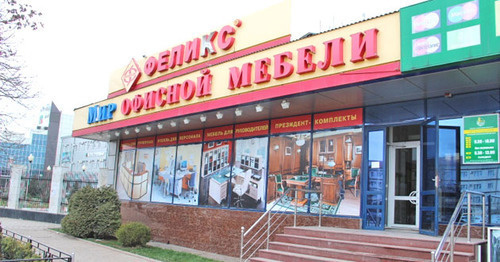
point(127, 144)
point(191, 137)
point(219, 133)
point(260, 128)
point(350, 117)
point(166, 140)
point(291, 124)
point(145, 142)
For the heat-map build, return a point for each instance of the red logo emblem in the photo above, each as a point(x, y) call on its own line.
point(131, 75)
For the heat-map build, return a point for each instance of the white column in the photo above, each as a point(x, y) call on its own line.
point(56, 188)
point(15, 186)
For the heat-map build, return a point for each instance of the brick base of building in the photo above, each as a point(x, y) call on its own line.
point(209, 229)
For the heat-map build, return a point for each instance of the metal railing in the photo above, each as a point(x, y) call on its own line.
point(45, 252)
point(260, 232)
point(445, 249)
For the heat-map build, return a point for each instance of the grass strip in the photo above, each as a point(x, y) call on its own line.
point(149, 251)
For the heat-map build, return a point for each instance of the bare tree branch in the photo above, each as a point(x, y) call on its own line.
point(15, 87)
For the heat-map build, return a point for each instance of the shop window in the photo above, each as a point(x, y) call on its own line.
point(126, 165)
point(143, 172)
point(249, 174)
point(163, 175)
point(336, 171)
point(216, 173)
point(185, 183)
point(289, 166)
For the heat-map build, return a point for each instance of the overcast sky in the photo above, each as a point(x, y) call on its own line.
point(72, 57)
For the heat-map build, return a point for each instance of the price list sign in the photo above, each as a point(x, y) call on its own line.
point(481, 139)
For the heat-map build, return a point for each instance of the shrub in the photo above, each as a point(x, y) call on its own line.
point(93, 212)
point(15, 249)
point(133, 234)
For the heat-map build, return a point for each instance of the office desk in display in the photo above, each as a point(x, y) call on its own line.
point(300, 182)
point(218, 186)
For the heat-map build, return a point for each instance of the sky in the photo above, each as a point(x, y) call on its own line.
point(71, 59)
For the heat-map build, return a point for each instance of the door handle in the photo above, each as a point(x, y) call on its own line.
point(413, 194)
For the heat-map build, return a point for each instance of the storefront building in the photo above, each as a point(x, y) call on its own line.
point(209, 133)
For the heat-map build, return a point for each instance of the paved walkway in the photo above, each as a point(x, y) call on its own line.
point(84, 250)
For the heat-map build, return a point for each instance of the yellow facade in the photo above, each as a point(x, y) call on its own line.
point(388, 50)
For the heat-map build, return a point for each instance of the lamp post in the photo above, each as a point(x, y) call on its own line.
point(30, 160)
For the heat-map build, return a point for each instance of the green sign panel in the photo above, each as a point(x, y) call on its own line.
point(481, 139)
point(439, 32)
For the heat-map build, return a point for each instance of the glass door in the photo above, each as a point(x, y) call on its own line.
point(373, 181)
point(404, 185)
point(430, 178)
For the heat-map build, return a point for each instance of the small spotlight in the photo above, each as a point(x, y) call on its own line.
point(126, 132)
point(219, 115)
point(160, 125)
point(173, 124)
point(203, 118)
point(258, 108)
point(148, 128)
point(285, 104)
point(186, 121)
point(238, 112)
point(117, 133)
point(137, 130)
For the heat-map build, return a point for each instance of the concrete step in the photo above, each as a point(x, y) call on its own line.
point(410, 240)
point(261, 259)
point(360, 246)
point(294, 257)
point(339, 254)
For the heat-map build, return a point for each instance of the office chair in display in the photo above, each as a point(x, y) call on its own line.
point(353, 182)
point(191, 184)
point(241, 187)
point(279, 185)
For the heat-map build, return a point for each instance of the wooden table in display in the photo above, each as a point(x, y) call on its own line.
point(300, 183)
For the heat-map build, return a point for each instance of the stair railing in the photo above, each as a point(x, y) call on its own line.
point(445, 249)
point(260, 232)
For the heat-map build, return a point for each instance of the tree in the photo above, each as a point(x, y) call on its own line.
point(93, 212)
point(14, 86)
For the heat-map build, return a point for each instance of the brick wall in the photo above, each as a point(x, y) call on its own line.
point(209, 229)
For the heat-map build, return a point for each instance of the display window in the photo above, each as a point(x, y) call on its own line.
point(126, 165)
point(143, 171)
point(249, 173)
point(164, 172)
point(289, 163)
point(336, 171)
point(184, 185)
point(215, 175)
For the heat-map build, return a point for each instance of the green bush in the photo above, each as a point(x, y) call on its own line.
point(15, 249)
point(133, 234)
point(93, 212)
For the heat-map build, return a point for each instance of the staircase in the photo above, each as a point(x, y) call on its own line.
point(339, 244)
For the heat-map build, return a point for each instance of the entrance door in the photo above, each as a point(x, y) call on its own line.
point(404, 185)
